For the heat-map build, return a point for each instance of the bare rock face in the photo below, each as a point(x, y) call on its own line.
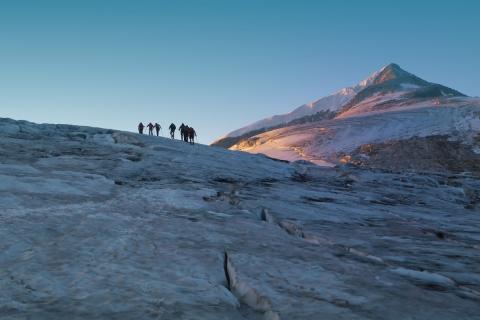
point(433, 153)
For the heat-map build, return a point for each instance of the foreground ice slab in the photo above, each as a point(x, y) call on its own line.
point(100, 224)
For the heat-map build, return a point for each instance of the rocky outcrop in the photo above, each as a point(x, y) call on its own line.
point(434, 153)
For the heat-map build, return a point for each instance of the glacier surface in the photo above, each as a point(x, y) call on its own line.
point(100, 224)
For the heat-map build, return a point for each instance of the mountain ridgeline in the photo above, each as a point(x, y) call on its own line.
point(388, 112)
point(228, 142)
point(388, 80)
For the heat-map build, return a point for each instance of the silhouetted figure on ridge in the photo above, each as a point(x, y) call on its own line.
point(185, 133)
point(157, 128)
point(182, 131)
point(140, 128)
point(191, 135)
point(150, 129)
point(172, 128)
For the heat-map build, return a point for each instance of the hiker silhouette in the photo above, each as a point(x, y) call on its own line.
point(172, 128)
point(140, 128)
point(182, 131)
point(185, 133)
point(191, 135)
point(150, 129)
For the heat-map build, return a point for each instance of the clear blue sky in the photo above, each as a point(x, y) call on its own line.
point(217, 64)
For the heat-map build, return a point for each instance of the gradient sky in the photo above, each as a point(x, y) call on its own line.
point(217, 64)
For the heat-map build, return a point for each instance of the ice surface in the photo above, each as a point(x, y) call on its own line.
point(99, 224)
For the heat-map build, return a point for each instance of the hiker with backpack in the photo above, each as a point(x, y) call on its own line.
point(150, 129)
point(182, 131)
point(186, 129)
point(140, 128)
point(172, 130)
point(157, 128)
point(191, 135)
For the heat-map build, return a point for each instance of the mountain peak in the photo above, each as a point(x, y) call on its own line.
point(388, 83)
point(393, 71)
point(389, 72)
point(393, 65)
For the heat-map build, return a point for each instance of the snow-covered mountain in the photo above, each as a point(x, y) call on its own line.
point(389, 82)
point(391, 105)
point(103, 224)
point(330, 103)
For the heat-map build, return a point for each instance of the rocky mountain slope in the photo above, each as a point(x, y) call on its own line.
point(99, 224)
point(393, 105)
point(331, 103)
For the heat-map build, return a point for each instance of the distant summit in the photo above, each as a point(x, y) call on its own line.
point(389, 85)
point(382, 89)
point(393, 72)
point(392, 119)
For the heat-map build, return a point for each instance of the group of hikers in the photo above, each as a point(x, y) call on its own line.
point(187, 133)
